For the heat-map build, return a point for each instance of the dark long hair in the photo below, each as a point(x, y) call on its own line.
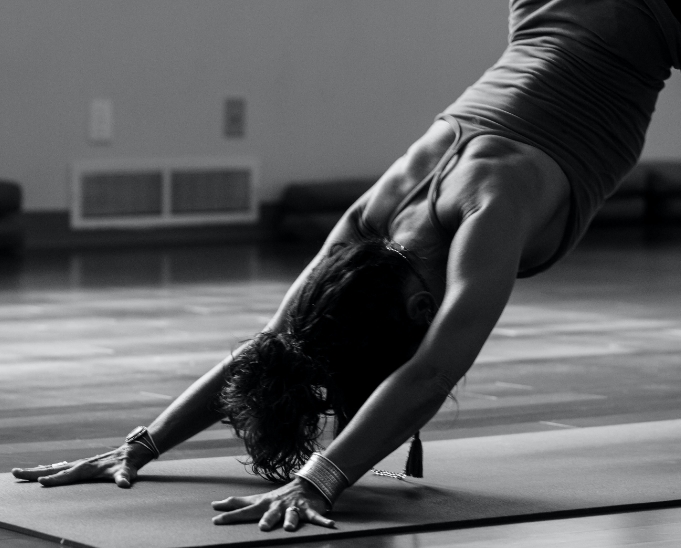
point(348, 329)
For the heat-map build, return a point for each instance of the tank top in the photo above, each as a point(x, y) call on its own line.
point(579, 80)
point(463, 134)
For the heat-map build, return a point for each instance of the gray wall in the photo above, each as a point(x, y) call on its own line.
point(334, 87)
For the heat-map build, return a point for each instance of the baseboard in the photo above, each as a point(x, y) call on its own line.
point(51, 230)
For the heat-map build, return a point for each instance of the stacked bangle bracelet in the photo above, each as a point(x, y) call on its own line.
point(141, 436)
point(150, 445)
point(325, 476)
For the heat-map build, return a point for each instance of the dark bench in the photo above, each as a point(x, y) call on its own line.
point(310, 209)
point(11, 230)
point(649, 196)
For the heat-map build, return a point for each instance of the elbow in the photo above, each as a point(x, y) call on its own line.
point(443, 384)
point(434, 383)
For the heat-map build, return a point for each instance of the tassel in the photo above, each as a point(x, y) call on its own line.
point(414, 466)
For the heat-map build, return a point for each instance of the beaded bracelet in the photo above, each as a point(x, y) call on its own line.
point(329, 480)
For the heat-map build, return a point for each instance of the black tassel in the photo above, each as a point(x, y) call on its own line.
point(414, 466)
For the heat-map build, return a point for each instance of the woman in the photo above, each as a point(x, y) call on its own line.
point(394, 309)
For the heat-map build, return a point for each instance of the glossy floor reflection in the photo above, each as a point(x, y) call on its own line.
point(153, 267)
point(93, 343)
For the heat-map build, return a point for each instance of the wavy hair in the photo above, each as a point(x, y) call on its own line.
point(347, 330)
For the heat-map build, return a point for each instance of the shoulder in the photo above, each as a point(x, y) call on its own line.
point(352, 226)
point(494, 159)
point(404, 179)
point(497, 170)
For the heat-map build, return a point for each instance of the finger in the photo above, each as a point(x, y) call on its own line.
point(232, 503)
point(124, 477)
point(316, 518)
point(32, 474)
point(79, 472)
point(250, 513)
point(291, 518)
point(271, 518)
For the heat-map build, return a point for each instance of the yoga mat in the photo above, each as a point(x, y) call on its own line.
point(478, 481)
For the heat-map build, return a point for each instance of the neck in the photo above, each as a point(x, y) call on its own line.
point(431, 279)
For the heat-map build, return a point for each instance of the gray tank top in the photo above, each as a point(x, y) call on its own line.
point(579, 81)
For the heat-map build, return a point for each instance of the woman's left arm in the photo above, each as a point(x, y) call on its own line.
point(483, 263)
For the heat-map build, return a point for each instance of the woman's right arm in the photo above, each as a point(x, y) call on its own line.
point(192, 412)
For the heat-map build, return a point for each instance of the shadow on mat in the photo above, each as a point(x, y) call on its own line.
point(421, 505)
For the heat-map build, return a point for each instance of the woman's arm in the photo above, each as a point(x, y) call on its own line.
point(483, 264)
point(192, 412)
point(482, 269)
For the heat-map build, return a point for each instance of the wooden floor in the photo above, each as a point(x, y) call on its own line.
point(93, 344)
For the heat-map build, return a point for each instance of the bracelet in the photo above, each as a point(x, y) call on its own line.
point(154, 449)
point(329, 480)
point(151, 448)
point(142, 436)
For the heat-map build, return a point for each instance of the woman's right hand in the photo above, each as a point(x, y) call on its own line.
point(120, 465)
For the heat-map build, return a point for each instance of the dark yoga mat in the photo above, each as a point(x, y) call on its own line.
point(478, 481)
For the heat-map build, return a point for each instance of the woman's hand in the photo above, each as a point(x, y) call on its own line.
point(295, 502)
point(120, 465)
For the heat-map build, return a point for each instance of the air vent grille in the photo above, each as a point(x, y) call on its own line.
point(106, 195)
point(200, 191)
point(145, 193)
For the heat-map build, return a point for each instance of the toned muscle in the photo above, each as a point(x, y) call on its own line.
point(488, 168)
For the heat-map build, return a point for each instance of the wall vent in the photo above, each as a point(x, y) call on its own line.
point(146, 193)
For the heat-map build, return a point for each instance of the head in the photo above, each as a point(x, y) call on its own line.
point(361, 314)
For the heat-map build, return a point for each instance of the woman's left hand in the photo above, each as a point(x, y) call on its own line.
point(291, 504)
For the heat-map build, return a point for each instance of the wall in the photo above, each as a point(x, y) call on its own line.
point(334, 88)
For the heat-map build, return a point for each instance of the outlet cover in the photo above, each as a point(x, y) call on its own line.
point(101, 121)
point(234, 117)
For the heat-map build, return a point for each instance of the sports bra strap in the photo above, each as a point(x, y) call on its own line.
point(434, 189)
point(456, 126)
point(432, 177)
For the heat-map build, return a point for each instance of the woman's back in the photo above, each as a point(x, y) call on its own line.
point(579, 81)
